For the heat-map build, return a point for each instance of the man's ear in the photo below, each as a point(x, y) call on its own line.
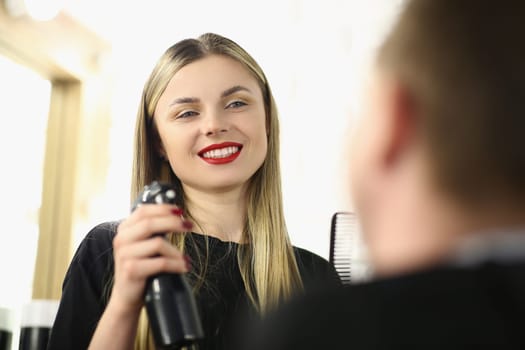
point(401, 124)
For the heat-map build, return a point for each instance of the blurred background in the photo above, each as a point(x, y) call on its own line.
point(71, 74)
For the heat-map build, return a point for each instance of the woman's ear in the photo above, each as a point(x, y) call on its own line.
point(162, 153)
point(159, 148)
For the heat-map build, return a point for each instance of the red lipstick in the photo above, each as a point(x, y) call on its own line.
point(217, 158)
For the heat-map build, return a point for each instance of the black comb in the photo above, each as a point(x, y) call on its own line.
point(343, 234)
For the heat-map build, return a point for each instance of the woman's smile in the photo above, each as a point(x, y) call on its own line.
point(221, 153)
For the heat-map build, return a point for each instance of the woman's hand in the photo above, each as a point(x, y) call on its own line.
point(139, 254)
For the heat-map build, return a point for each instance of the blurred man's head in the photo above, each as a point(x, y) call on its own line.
point(444, 123)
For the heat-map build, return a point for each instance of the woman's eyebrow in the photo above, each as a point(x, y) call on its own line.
point(233, 90)
point(225, 93)
point(183, 100)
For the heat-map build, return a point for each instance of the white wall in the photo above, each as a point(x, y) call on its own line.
point(315, 55)
point(25, 105)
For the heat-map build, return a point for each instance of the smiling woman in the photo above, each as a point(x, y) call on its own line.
point(216, 139)
point(207, 124)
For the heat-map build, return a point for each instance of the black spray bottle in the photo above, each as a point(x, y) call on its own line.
point(169, 300)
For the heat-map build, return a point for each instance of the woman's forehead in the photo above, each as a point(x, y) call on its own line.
point(214, 73)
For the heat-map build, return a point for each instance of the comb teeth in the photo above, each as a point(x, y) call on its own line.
point(343, 237)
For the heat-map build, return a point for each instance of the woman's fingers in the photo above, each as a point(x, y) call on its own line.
point(146, 228)
point(140, 269)
point(148, 248)
point(139, 255)
point(149, 222)
point(151, 210)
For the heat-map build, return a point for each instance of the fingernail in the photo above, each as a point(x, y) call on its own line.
point(177, 211)
point(187, 225)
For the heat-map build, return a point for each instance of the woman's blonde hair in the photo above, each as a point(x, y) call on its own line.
point(267, 263)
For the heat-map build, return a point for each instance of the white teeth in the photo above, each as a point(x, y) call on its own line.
point(221, 153)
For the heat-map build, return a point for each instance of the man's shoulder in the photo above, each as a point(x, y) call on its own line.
point(431, 307)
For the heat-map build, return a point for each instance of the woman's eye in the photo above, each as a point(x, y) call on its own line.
point(236, 104)
point(186, 114)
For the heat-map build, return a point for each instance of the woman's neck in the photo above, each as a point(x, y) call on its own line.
point(218, 214)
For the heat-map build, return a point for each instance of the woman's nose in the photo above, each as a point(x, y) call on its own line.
point(214, 124)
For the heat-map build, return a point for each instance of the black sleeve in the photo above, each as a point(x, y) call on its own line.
point(316, 272)
point(83, 292)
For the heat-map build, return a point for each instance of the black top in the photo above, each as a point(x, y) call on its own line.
point(447, 307)
point(221, 300)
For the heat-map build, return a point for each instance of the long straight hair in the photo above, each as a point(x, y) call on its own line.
point(267, 262)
